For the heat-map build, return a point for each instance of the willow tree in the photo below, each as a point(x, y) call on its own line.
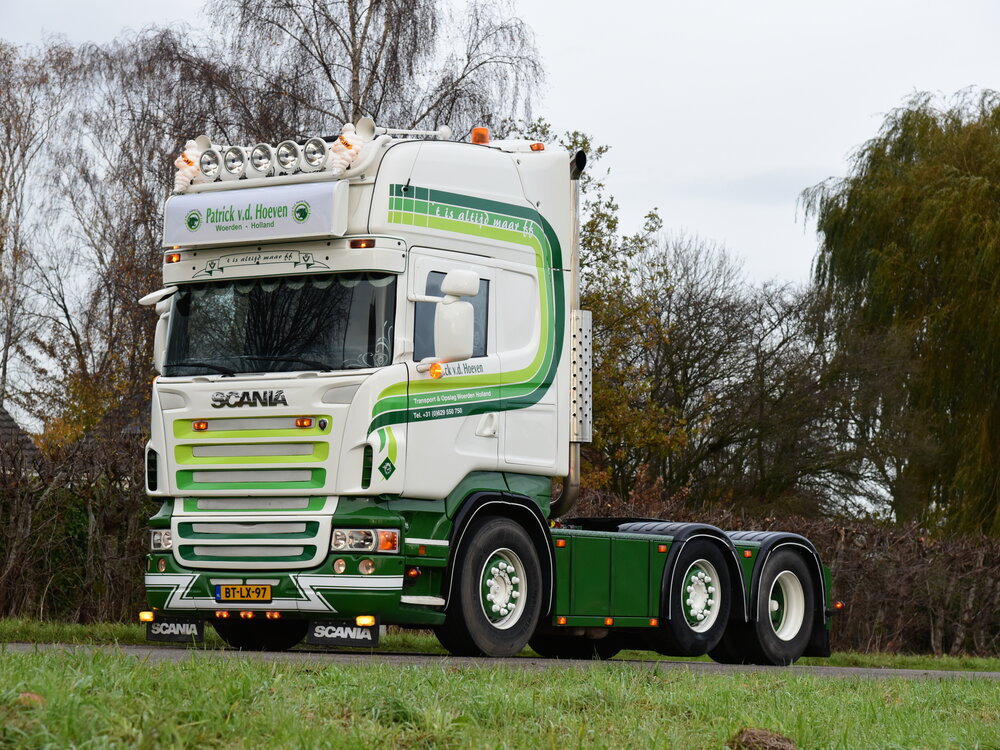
point(909, 261)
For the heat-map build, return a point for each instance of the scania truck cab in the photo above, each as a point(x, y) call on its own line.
point(372, 367)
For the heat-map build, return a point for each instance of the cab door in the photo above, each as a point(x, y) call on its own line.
point(453, 421)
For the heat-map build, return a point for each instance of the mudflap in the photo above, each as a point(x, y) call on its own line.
point(342, 633)
point(176, 630)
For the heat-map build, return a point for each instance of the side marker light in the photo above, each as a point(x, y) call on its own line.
point(421, 550)
point(436, 370)
point(661, 548)
point(609, 621)
point(537, 146)
point(748, 553)
point(172, 258)
point(653, 622)
point(145, 617)
point(560, 621)
point(413, 573)
point(362, 244)
point(560, 543)
point(838, 605)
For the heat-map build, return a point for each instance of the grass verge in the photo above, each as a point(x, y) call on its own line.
point(109, 699)
point(407, 641)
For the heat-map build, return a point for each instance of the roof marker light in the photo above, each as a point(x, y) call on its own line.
point(537, 146)
point(172, 258)
point(481, 136)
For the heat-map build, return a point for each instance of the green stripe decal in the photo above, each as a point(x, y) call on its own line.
point(464, 395)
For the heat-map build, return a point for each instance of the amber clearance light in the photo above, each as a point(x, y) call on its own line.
point(481, 136)
point(362, 244)
point(172, 258)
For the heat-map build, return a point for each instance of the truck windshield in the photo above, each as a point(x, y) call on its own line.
point(338, 321)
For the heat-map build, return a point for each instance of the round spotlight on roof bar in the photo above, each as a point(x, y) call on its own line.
point(314, 155)
point(260, 162)
point(210, 164)
point(288, 156)
point(234, 161)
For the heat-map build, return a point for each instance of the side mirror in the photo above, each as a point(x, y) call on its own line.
point(454, 327)
point(160, 335)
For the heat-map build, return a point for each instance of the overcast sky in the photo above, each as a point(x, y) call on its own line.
point(718, 113)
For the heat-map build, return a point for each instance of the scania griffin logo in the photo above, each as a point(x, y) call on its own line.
point(235, 399)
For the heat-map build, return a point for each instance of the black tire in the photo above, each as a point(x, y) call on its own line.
point(503, 546)
point(682, 634)
point(782, 635)
point(261, 635)
point(738, 645)
point(556, 646)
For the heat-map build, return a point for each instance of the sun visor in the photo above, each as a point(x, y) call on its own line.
point(267, 214)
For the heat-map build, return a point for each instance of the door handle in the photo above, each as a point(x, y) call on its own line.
point(488, 425)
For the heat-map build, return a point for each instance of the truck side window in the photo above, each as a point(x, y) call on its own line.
point(423, 328)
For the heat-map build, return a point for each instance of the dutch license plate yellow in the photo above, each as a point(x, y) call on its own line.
point(234, 593)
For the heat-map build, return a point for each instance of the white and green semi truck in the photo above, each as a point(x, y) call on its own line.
point(372, 366)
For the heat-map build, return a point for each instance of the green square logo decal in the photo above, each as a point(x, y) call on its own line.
point(387, 467)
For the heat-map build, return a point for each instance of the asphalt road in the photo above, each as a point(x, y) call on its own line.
point(177, 653)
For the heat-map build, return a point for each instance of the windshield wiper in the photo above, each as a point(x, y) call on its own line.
point(308, 362)
point(209, 365)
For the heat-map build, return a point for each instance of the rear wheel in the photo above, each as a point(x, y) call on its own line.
point(496, 594)
point(556, 646)
point(261, 635)
point(700, 599)
point(786, 607)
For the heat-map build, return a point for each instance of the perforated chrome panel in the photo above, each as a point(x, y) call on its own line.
point(581, 406)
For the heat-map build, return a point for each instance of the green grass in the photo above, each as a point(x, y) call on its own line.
point(109, 699)
point(403, 641)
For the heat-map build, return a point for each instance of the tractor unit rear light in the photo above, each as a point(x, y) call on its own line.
point(160, 541)
point(365, 540)
point(221, 614)
point(272, 615)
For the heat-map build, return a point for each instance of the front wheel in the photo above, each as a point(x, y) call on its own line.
point(496, 595)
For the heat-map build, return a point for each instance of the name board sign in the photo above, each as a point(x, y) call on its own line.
point(264, 214)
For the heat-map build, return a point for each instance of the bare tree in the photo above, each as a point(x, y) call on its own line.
point(405, 63)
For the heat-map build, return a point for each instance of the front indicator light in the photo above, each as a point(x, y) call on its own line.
point(367, 567)
point(146, 617)
point(199, 426)
point(304, 422)
point(364, 621)
point(413, 573)
point(388, 540)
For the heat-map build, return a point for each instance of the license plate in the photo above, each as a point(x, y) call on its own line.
point(252, 593)
point(342, 633)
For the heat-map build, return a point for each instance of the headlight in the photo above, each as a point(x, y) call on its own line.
point(234, 161)
point(261, 161)
point(288, 154)
point(160, 541)
point(210, 163)
point(314, 155)
point(365, 540)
